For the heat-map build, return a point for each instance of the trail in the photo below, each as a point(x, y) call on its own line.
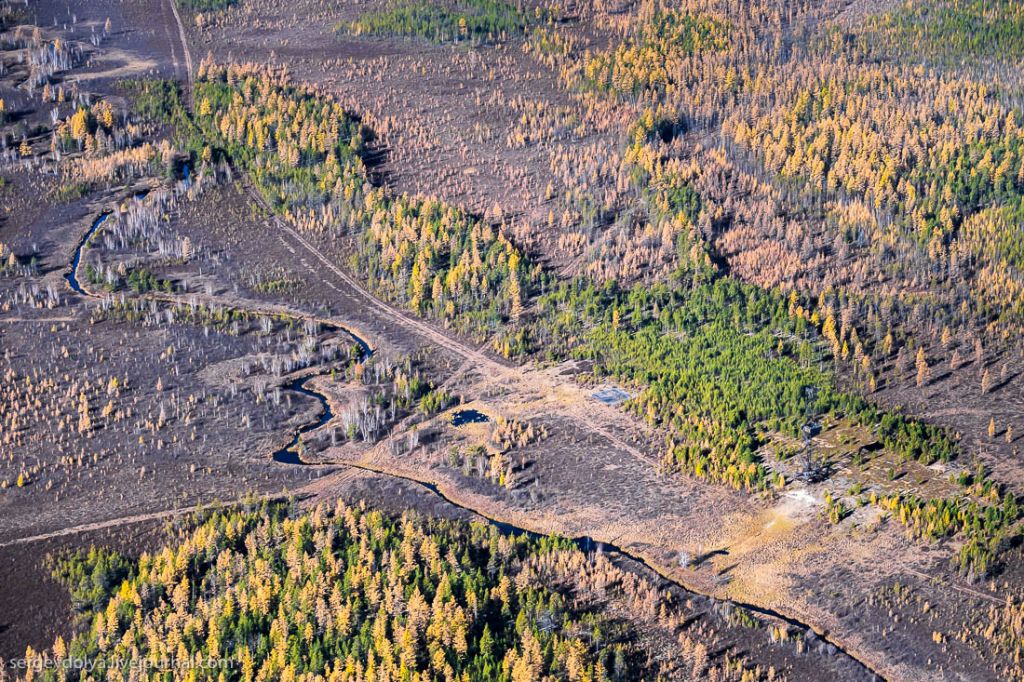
point(528, 378)
point(101, 525)
point(184, 47)
point(959, 588)
point(305, 491)
point(582, 409)
point(389, 312)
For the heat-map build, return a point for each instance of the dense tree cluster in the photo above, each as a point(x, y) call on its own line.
point(476, 20)
point(818, 133)
point(990, 239)
point(983, 515)
point(303, 153)
point(351, 594)
point(302, 150)
point(206, 5)
point(646, 59)
point(845, 127)
point(956, 30)
point(439, 260)
point(719, 364)
point(138, 280)
point(927, 193)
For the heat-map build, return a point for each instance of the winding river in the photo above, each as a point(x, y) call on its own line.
point(289, 455)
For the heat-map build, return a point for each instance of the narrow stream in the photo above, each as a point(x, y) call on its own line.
point(76, 259)
point(584, 543)
point(289, 455)
point(72, 276)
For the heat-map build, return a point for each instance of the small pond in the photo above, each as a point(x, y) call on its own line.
point(469, 417)
point(611, 396)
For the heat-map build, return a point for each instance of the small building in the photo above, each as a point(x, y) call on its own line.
point(811, 429)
